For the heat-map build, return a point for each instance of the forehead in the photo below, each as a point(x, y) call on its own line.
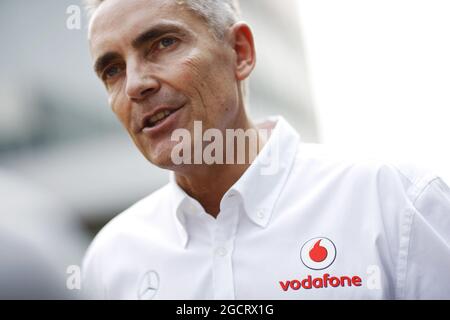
point(117, 22)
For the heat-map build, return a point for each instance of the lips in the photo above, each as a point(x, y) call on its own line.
point(158, 116)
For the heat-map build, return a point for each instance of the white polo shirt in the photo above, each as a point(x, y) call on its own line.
point(312, 226)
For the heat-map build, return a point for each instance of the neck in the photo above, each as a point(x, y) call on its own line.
point(209, 183)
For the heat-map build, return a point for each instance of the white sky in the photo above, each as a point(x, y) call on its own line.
point(380, 76)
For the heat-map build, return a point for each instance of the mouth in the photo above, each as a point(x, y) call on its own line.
point(158, 118)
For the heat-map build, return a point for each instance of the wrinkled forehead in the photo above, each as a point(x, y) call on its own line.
point(116, 21)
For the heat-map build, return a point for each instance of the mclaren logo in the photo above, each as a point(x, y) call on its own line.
point(148, 286)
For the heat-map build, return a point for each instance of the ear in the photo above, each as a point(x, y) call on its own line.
point(241, 39)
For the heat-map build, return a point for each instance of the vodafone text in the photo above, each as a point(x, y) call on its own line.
point(321, 282)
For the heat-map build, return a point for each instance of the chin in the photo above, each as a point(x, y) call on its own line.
point(161, 155)
point(165, 164)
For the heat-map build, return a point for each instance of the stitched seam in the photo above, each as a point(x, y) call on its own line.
point(403, 258)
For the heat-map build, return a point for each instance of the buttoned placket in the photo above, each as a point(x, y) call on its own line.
point(223, 237)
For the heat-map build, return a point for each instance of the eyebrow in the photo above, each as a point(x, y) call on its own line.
point(145, 37)
point(104, 60)
point(156, 32)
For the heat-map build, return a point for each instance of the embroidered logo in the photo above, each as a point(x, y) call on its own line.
point(149, 286)
point(318, 253)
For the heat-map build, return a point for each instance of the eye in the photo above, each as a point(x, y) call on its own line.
point(166, 42)
point(111, 72)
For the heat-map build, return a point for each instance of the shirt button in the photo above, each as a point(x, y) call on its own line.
point(261, 214)
point(192, 209)
point(221, 252)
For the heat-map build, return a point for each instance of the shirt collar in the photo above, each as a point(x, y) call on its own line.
point(262, 183)
point(259, 187)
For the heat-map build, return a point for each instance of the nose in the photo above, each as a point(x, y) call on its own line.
point(140, 82)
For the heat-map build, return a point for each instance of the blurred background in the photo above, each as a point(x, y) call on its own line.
point(370, 76)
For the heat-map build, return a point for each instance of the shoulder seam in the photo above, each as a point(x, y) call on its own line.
point(423, 189)
point(406, 242)
point(418, 185)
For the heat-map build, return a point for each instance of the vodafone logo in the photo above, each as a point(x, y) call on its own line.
point(318, 253)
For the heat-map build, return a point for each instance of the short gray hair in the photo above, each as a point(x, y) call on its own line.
point(218, 14)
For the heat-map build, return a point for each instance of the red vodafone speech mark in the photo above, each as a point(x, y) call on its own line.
point(318, 253)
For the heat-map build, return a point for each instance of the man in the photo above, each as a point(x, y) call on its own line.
point(290, 222)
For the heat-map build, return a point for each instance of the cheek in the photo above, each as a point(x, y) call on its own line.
point(191, 72)
point(120, 106)
point(211, 79)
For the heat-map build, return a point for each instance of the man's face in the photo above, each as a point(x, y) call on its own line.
point(158, 60)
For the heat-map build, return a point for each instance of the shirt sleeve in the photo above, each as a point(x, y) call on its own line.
point(427, 262)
